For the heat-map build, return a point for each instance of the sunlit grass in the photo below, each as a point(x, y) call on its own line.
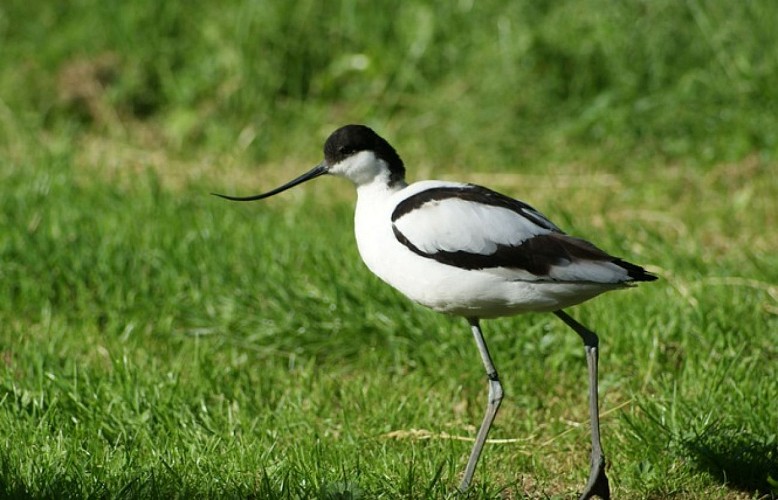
point(159, 341)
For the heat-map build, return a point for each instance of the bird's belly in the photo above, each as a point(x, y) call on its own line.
point(485, 293)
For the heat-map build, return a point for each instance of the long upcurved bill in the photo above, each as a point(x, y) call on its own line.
point(316, 171)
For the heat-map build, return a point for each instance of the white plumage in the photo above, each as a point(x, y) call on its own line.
point(454, 225)
point(482, 293)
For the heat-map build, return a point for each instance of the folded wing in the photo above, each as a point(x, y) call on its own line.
point(472, 227)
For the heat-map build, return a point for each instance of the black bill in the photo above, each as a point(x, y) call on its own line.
point(316, 171)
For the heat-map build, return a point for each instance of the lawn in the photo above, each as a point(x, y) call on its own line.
point(159, 342)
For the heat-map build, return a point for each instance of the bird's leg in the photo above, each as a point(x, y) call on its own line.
point(598, 481)
point(495, 398)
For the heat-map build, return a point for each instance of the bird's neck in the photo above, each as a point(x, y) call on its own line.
point(379, 189)
point(374, 201)
point(372, 223)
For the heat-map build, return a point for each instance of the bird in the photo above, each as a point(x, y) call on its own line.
point(465, 250)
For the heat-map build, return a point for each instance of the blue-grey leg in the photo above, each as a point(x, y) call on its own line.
point(598, 481)
point(495, 398)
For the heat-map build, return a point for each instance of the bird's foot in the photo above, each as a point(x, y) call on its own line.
point(598, 482)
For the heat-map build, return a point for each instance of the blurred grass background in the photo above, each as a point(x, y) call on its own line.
point(506, 82)
point(156, 342)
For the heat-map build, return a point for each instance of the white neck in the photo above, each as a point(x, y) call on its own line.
point(372, 221)
point(379, 189)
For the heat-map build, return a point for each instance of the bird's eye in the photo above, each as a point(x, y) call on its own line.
point(345, 150)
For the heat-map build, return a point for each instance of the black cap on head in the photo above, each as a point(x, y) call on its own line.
point(351, 139)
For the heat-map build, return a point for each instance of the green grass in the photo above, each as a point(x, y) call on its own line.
point(157, 342)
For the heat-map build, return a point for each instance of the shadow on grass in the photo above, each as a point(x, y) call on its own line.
point(738, 458)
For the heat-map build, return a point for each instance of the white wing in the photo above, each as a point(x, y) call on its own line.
point(458, 225)
point(472, 227)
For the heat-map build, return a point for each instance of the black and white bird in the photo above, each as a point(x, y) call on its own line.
point(466, 250)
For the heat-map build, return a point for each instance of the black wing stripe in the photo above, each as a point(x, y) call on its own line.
point(505, 256)
point(473, 193)
point(535, 255)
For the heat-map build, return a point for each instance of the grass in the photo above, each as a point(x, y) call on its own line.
point(156, 342)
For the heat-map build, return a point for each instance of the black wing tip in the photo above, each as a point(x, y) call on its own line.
point(644, 276)
point(635, 272)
